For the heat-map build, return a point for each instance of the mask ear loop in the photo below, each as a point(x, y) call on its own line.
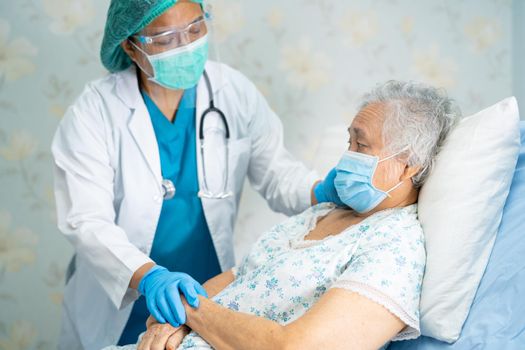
point(393, 155)
point(393, 189)
point(150, 77)
point(401, 182)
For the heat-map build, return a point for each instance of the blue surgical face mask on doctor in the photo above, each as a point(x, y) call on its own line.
point(353, 182)
point(179, 68)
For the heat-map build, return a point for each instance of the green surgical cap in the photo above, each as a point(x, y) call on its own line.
point(125, 18)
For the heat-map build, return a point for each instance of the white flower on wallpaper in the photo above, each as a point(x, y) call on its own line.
point(20, 336)
point(17, 246)
point(483, 33)
point(21, 145)
point(15, 54)
point(68, 15)
point(407, 25)
point(435, 69)
point(275, 18)
point(358, 28)
point(54, 279)
point(305, 66)
point(228, 19)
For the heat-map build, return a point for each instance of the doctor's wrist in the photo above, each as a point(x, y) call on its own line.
point(139, 274)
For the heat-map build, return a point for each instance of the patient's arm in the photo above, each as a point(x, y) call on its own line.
point(216, 284)
point(339, 320)
point(165, 336)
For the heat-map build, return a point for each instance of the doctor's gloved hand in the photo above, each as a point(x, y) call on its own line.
point(325, 190)
point(162, 290)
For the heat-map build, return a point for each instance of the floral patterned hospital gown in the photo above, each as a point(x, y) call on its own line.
point(381, 258)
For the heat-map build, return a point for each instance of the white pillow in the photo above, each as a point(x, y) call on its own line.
point(460, 209)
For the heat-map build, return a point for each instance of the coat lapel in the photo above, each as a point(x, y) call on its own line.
point(139, 125)
point(142, 131)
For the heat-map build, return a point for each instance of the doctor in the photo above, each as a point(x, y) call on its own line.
point(149, 167)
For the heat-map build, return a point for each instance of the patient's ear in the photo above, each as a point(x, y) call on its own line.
point(409, 172)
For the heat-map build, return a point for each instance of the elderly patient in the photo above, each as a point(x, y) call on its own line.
point(336, 277)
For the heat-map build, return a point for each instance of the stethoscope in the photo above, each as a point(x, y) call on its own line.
point(168, 188)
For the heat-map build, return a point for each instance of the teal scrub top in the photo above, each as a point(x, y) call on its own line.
point(182, 240)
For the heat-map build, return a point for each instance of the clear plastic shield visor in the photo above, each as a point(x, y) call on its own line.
point(154, 40)
point(171, 47)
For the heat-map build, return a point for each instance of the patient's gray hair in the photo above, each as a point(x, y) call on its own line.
point(418, 118)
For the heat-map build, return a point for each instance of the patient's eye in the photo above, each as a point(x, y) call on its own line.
point(361, 146)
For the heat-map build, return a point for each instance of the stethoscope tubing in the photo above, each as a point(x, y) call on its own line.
point(167, 185)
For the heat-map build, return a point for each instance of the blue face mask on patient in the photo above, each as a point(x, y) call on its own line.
point(353, 181)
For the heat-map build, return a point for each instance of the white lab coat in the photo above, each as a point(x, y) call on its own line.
point(109, 197)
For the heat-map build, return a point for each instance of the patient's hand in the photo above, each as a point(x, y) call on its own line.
point(161, 336)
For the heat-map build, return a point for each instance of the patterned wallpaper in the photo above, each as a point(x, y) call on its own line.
point(311, 58)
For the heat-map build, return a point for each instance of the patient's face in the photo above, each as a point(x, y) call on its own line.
point(366, 136)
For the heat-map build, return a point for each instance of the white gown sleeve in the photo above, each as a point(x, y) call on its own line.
point(84, 200)
point(388, 268)
point(273, 171)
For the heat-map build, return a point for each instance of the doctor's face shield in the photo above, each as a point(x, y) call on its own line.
point(156, 39)
point(172, 51)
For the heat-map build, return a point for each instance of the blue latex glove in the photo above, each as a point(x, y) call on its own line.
point(325, 190)
point(162, 290)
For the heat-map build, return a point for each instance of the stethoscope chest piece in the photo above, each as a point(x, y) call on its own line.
point(168, 189)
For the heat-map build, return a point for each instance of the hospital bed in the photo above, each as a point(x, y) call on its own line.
point(497, 316)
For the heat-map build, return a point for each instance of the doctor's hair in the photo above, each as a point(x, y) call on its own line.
point(418, 118)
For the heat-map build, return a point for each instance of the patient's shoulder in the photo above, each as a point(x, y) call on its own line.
point(397, 226)
point(402, 219)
